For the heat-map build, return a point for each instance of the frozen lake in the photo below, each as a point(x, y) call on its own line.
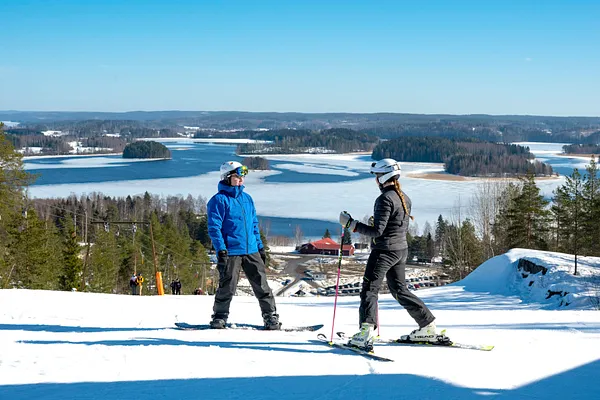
point(298, 188)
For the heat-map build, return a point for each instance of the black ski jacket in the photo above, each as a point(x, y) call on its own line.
point(390, 222)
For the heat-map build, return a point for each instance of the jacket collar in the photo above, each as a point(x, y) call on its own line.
point(231, 191)
point(387, 188)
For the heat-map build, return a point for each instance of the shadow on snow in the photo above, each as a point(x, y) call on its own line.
point(578, 383)
point(64, 329)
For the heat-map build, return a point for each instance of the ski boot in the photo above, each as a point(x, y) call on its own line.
point(271, 322)
point(425, 334)
point(218, 322)
point(365, 338)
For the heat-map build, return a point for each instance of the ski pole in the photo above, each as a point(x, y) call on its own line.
point(337, 283)
point(378, 324)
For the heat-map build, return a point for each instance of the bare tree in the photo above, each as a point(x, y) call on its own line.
point(485, 206)
point(298, 235)
point(427, 229)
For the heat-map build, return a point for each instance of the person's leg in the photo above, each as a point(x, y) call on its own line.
point(254, 268)
point(378, 264)
point(407, 299)
point(228, 279)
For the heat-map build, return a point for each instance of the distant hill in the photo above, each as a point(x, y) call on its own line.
point(500, 128)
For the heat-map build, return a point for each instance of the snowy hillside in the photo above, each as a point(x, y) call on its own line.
point(69, 345)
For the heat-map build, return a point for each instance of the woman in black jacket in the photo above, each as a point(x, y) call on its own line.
point(388, 257)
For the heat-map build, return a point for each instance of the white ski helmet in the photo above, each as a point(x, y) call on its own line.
point(231, 167)
point(385, 169)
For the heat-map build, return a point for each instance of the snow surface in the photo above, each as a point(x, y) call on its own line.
point(70, 345)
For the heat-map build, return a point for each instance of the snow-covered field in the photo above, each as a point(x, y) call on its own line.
point(69, 345)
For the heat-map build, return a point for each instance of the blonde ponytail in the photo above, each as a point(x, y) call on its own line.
point(399, 191)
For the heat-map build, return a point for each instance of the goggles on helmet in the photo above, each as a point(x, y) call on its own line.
point(240, 171)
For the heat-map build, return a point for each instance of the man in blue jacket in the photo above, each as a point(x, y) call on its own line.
point(233, 229)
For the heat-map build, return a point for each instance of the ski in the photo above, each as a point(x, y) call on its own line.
point(199, 327)
point(443, 341)
point(356, 350)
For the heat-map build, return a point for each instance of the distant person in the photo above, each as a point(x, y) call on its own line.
point(177, 286)
point(198, 291)
point(133, 285)
point(388, 257)
point(139, 281)
point(173, 286)
point(233, 229)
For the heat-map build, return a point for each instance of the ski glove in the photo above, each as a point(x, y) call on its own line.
point(222, 259)
point(263, 255)
point(347, 221)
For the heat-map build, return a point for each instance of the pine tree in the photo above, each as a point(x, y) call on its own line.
point(440, 232)
point(34, 253)
point(561, 220)
point(347, 239)
point(102, 273)
point(574, 226)
point(502, 221)
point(13, 181)
point(528, 217)
point(72, 265)
point(591, 209)
point(464, 249)
point(327, 234)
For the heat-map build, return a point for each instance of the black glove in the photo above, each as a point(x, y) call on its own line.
point(222, 263)
point(222, 258)
point(263, 255)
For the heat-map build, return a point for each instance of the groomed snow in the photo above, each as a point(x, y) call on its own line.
point(70, 345)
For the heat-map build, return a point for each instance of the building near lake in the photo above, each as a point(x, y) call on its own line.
point(326, 246)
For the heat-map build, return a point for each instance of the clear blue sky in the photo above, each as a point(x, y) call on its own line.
point(455, 57)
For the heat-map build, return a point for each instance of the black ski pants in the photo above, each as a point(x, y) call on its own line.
point(392, 265)
point(229, 274)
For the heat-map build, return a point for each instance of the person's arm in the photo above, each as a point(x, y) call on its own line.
point(216, 213)
point(255, 228)
point(381, 216)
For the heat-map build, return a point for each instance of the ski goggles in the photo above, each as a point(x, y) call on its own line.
point(240, 171)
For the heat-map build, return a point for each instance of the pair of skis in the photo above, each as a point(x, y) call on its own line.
point(252, 327)
point(341, 342)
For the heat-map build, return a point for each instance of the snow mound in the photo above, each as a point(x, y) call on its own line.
point(542, 277)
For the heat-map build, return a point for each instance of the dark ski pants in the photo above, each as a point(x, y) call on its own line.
point(392, 265)
point(254, 268)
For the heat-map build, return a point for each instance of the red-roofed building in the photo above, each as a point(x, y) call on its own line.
point(326, 246)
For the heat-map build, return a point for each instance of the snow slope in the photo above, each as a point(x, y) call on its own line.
point(69, 345)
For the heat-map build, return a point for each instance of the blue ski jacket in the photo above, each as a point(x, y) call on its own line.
point(232, 222)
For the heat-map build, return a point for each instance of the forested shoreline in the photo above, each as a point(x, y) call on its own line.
point(465, 156)
point(582, 149)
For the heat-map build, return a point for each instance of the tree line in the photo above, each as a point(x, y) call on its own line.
point(289, 141)
point(466, 156)
point(582, 149)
